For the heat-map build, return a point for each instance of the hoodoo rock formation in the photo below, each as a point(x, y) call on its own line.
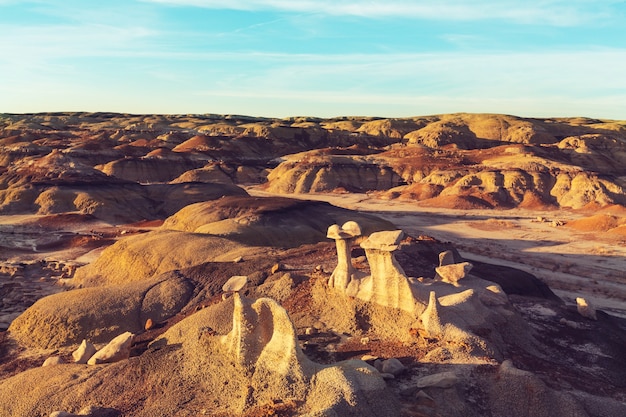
point(149, 263)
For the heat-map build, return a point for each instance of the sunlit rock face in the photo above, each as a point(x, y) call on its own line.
point(454, 160)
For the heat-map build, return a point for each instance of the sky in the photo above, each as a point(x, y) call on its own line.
point(323, 58)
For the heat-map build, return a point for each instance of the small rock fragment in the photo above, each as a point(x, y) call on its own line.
point(85, 351)
point(275, 268)
point(424, 399)
point(392, 366)
point(507, 367)
point(569, 323)
point(235, 283)
point(238, 259)
point(53, 360)
point(586, 309)
point(446, 258)
point(310, 331)
point(440, 380)
point(453, 273)
point(118, 349)
point(93, 411)
point(149, 324)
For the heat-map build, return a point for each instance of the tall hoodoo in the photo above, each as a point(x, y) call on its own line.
point(344, 236)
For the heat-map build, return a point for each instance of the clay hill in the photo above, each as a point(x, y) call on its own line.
point(458, 160)
point(188, 266)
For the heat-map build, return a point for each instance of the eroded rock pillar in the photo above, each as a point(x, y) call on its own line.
point(388, 284)
point(344, 236)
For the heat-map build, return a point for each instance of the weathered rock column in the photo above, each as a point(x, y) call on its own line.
point(344, 237)
point(388, 284)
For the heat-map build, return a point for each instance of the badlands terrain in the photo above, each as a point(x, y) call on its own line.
point(445, 265)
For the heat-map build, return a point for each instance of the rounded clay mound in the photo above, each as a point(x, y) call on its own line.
point(142, 256)
point(274, 221)
point(597, 223)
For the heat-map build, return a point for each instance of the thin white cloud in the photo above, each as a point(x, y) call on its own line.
point(23, 43)
point(552, 12)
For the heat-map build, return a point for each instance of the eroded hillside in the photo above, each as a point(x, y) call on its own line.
point(457, 160)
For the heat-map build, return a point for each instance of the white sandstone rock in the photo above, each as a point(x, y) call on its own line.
point(118, 349)
point(235, 283)
point(85, 351)
point(440, 380)
point(453, 273)
point(53, 360)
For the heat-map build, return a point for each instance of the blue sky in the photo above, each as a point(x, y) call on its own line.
point(391, 58)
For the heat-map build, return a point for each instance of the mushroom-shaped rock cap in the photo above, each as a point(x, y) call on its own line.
point(348, 230)
point(235, 283)
point(385, 240)
point(352, 228)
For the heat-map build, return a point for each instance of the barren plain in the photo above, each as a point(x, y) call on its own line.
point(425, 266)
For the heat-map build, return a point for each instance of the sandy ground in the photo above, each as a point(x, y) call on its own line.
point(574, 264)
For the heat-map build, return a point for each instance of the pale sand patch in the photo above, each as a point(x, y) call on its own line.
point(572, 263)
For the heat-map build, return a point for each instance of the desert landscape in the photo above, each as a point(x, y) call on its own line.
point(226, 265)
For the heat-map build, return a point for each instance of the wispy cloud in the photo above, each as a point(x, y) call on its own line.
point(552, 12)
point(37, 43)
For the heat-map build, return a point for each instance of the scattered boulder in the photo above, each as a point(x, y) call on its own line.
point(85, 351)
point(453, 273)
point(118, 349)
point(392, 366)
point(53, 360)
point(440, 380)
point(586, 309)
point(235, 283)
